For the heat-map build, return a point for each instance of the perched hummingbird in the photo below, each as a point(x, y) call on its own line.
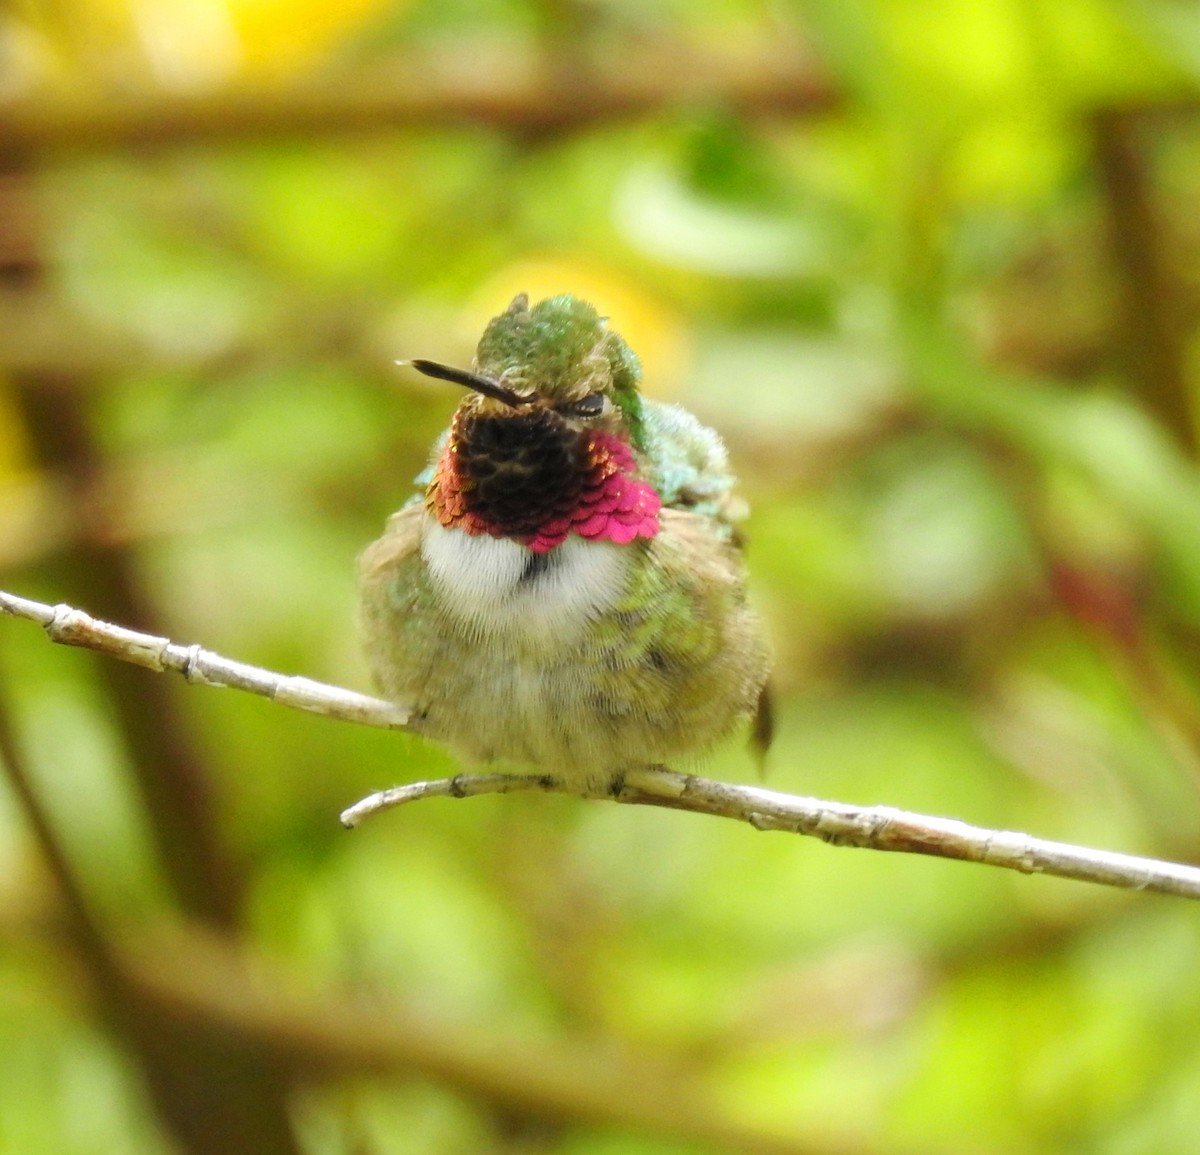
point(569, 593)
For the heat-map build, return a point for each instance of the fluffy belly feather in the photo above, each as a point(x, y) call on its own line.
point(498, 589)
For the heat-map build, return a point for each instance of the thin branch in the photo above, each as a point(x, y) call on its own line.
point(72, 627)
point(521, 97)
point(191, 977)
point(839, 823)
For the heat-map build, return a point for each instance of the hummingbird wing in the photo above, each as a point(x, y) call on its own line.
point(692, 474)
point(393, 587)
point(398, 549)
point(762, 727)
point(682, 649)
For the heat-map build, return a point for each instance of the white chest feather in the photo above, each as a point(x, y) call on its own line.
point(498, 587)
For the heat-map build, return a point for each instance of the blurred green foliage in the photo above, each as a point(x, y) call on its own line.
point(947, 320)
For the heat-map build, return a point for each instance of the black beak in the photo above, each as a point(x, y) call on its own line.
point(484, 385)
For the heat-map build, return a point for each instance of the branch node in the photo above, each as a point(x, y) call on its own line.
point(192, 671)
point(66, 625)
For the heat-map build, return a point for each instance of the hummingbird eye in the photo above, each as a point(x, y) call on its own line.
point(590, 406)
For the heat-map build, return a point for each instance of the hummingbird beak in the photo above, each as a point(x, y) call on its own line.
point(484, 385)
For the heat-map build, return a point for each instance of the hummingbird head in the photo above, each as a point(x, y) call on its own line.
point(546, 443)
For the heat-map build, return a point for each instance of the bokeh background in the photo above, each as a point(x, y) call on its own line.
point(932, 268)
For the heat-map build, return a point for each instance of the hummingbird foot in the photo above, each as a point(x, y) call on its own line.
point(466, 785)
point(641, 780)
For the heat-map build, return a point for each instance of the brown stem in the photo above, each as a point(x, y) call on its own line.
point(170, 775)
point(211, 1092)
point(199, 978)
point(1150, 336)
point(528, 99)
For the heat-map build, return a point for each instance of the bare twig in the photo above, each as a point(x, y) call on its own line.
point(839, 823)
point(525, 97)
point(72, 627)
point(193, 978)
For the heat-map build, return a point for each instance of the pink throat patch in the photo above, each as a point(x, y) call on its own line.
point(613, 506)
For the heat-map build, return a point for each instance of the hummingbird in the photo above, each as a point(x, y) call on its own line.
point(566, 592)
